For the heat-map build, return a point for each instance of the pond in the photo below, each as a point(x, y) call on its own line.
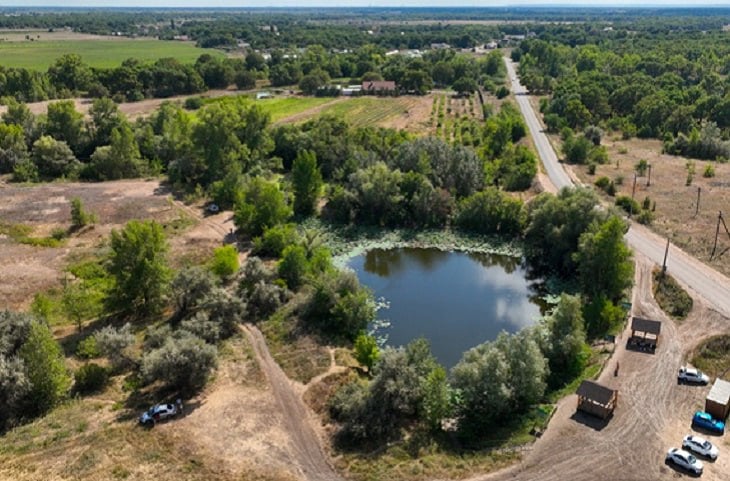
point(456, 300)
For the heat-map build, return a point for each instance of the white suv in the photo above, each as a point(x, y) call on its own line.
point(700, 445)
point(685, 460)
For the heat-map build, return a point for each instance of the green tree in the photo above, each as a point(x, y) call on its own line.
point(138, 264)
point(80, 217)
point(71, 73)
point(121, 159)
point(605, 265)
point(307, 183)
point(65, 123)
point(225, 261)
point(366, 350)
point(54, 158)
point(78, 304)
point(566, 347)
point(293, 266)
point(115, 344)
point(491, 212)
point(465, 86)
point(436, 398)
point(554, 226)
point(13, 147)
point(262, 207)
point(45, 368)
point(105, 117)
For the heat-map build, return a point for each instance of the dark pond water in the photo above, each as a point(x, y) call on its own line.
point(456, 300)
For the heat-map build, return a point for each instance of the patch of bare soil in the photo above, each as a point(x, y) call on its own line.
point(415, 117)
point(653, 413)
point(25, 270)
point(676, 202)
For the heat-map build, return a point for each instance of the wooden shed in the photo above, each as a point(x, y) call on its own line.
point(646, 330)
point(717, 402)
point(596, 399)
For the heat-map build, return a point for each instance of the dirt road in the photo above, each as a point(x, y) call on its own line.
point(312, 460)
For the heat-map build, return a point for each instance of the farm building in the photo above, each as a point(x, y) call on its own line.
point(648, 329)
point(718, 401)
point(378, 87)
point(596, 399)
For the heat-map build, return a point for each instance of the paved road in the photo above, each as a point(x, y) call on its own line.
point(693, 274)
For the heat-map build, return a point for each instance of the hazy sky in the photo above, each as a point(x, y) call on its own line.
point(348, 3)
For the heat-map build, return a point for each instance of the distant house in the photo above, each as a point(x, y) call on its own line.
point(378, 87)
point(440, 46)
point(264, 95)
point(352, 90)
point(491, 45)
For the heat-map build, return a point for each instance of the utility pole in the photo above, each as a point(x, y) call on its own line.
point(717, 233)
point(664, 264)
point(648, 180)
point(697, 207)
point(633, 192)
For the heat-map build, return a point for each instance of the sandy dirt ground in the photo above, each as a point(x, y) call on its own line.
point(25, 270)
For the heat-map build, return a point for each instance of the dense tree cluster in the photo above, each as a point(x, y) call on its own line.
point(667, 86)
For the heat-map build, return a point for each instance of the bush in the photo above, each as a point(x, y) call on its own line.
point(181, 363)
point(263, 300)
point(646, 217)
point(628, 204)
point(88, 349)
point(275, 240)
point(193, 103)
point(709, 171)
point(670, 296)
point(501, 92)
point(602, 182)
point(366, 350)
point(115, 343)
point(225, 261)
point(90, 378)
point(79, 216)
point(592, 168)
point(293, 266)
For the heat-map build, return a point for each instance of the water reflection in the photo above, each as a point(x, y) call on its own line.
point(456, 300)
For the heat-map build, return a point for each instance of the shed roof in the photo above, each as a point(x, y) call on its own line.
point(720, 392)
point(646, 325)
point(378, 85)
point(595, 392)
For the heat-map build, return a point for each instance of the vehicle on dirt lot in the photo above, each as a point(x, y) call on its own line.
point(158, 413)
point(685, 460)
point(689, 374)
point(213, 208)
point(700, 445)
point(704, 420)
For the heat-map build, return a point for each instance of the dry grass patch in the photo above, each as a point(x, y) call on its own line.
point(676, 202)
point(670, 296)
point(713, 356)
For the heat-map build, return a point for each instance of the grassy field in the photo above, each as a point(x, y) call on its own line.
point(281, 108)
point(364, 111)
point(102, 53)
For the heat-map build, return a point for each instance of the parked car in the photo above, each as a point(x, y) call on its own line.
point(685, 460)
point(700, 445)
point(704, 420)
point(689, 374)
point(213, 208)
point(158, 413)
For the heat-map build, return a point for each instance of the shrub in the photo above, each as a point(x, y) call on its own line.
point(709, 171)
point(502, 92)
point(275, 240)
point(193, 103)
point(180, 363)
point(79, 216)
point(90, 378)
point(602, 182)
point(646, 217)
point(293, 266)
point(263, 300)
point(115, 343)
point(225, 261)
point(641, 167)
point(87, 348)
point(366, 350)
point(592, 168)
point(628, 204)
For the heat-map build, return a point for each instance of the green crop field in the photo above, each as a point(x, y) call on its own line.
point(364, 111)
point(102, 53)
point(281, 108)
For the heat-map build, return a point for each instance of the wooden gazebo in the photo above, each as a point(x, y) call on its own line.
point(597, 400)
point(649, 330)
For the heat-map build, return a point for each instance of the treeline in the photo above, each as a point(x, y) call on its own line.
point(644, 85)
point(133, 80)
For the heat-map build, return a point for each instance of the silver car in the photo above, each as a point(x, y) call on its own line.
point(700, 445)
point(688, 374)
point(685, 460)
point(158, 413)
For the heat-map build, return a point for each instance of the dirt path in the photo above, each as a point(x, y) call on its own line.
point(312, 460)
point(653, 411)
